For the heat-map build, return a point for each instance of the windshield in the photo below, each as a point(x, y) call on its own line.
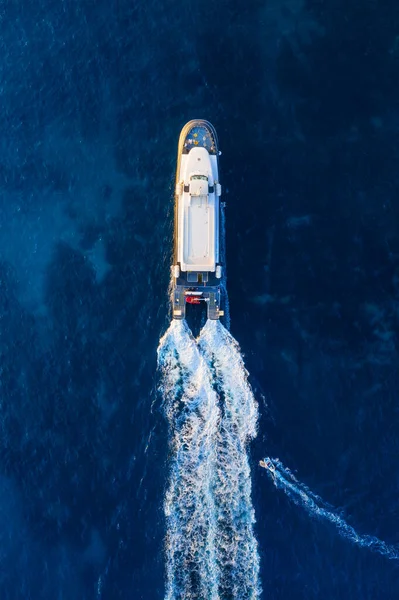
point(204, 177)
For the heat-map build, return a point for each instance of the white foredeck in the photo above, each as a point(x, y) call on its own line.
point(198, 214)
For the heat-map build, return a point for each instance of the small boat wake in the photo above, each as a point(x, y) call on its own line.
point(316, 507)
point(211, 550)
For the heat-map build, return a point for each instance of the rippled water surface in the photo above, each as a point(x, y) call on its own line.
point(304, 97)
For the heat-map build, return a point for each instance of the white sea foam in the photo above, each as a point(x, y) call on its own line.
point(192, 410)
point(237, 551)
point(316, 507)
point(211, 550)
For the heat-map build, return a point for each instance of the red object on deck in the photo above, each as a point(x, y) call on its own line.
point(192, 300)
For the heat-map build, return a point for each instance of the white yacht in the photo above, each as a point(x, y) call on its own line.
point(196, 269)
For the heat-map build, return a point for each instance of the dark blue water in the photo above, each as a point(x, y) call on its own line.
point(304, 97)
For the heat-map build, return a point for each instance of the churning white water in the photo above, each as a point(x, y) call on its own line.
point(211, 550)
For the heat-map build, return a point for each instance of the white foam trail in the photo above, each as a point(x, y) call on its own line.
point(237, 552)
point(191, 406)
point(314, 505)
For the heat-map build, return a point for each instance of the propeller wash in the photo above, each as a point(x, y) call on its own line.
point(211, 550)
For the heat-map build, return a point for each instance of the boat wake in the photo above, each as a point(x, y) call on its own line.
point(211, 550)
point(316, 507)
point(192, 410)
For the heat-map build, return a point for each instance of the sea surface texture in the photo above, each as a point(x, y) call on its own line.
point(304, 96)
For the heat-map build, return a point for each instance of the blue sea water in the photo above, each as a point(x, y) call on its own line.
point(304, 96)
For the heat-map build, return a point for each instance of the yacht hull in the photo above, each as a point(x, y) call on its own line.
point(196, 269)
